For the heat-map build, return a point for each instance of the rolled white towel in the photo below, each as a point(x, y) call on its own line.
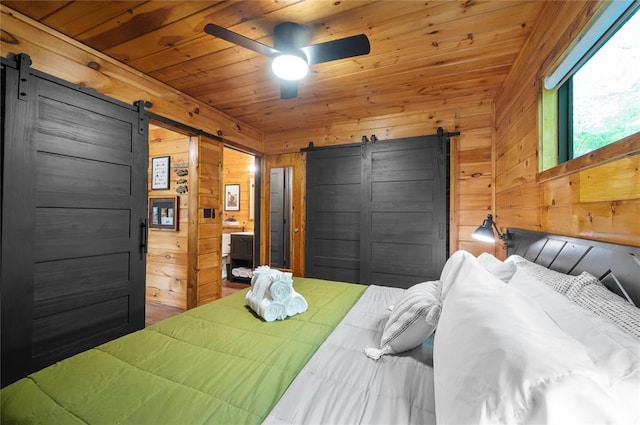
point(285, 276)
point(272, 295)
point(259, 284)
point(260, 271)
point(257, 272)
point(271, 310)
point(296, 304)
point(281, 290)
point(251, 302)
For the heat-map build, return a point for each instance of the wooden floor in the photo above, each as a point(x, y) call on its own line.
point(229, 288)
point(156, 312)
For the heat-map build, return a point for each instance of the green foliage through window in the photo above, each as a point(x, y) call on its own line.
point(603, 103)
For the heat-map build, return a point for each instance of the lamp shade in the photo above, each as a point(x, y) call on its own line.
point(485, 233)
point(290, 66)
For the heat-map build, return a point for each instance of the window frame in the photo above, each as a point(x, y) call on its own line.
point(565, 121)
point(556, 117)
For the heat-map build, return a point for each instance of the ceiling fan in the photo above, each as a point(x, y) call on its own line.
point(291, 56)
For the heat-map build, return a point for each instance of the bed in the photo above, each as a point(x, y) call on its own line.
point(560, 359)
point(217, 363)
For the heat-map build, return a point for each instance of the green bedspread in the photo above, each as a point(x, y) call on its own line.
point(214, 364)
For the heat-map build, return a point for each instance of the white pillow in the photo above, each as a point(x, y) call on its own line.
point(615, 353)
point(451, 270)
point(413, 319)
point(499, 358)
point(500, 269)
point(560, 282)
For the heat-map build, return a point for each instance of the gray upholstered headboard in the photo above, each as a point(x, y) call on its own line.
point(617, 266)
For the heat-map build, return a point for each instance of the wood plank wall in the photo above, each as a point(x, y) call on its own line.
point(236, 171)
point(61, 56)
point(205, 237)
point(589, 198)
point(471, 154)
point(557, 205)
point(167, 256)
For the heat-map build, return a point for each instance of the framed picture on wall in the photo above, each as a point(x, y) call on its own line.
point(232, 197)
point(163, 213)
point(160, 172)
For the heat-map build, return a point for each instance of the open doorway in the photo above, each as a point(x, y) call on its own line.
point(239, 223)
point(283, 206)
point(212, 187)
point(184, 267)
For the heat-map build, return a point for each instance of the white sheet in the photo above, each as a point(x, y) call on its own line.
point(340, 385)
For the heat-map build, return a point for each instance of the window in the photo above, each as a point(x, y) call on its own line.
point(600, 103)
point(594, 100)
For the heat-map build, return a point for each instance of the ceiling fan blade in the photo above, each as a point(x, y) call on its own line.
point(240, 40)
point(288, 89)
point(355, 45)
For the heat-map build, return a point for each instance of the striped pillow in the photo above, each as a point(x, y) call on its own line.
point(413, 319)
point(604, 303)
point(560, 282)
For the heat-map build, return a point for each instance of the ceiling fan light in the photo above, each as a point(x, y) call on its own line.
point(289, 67)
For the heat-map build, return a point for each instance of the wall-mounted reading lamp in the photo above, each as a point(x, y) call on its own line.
point(485, 233)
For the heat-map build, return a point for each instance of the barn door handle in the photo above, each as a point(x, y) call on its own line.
point(143, 236)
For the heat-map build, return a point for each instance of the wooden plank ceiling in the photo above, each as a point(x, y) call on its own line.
point(421, 51)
